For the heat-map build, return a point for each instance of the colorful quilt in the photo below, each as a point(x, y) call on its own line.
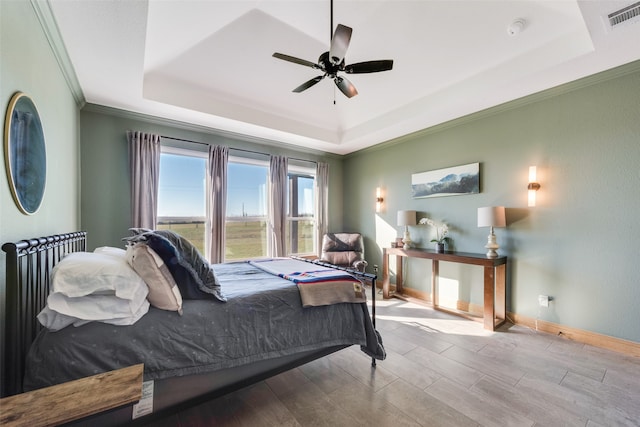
point(318, 285)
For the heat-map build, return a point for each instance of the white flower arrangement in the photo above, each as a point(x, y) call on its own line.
point(441, 230)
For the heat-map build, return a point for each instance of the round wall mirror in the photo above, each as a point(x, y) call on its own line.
point(25, 153)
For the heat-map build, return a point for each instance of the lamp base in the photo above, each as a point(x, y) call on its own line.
point(492, 246)
point(406, 240)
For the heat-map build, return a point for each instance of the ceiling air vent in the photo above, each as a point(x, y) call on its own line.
point(625, 15)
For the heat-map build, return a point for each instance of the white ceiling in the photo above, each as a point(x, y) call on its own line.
point(209, 62)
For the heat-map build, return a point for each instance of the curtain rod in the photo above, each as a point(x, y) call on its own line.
point(232, 148)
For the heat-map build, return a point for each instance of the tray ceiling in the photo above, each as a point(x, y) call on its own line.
point(210, 62)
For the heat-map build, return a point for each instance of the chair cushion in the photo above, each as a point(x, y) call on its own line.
point(346, 258)
point(344, 250)
point(340, 242)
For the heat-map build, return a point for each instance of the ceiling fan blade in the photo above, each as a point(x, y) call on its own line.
point(339, 43)
point(306, 85)
point(346, 87)
point(295, 60)
point(369, 67)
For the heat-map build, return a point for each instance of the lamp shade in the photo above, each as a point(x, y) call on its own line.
point(406, 218)
point(492, 216)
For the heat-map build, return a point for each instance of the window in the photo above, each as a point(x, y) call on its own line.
point(182, 203)
point(181, 194)
point(246, 222)
point(300, 211)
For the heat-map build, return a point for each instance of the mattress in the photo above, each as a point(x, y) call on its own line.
point(262, 319)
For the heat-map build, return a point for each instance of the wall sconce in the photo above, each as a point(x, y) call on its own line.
point(492, 216)
point(406, 218)
point(379, 200)
point(533, 186)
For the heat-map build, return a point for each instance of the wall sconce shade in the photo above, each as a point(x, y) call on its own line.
point(379, 199)
point(493, 216)
point(406, 218)
point(532, 187)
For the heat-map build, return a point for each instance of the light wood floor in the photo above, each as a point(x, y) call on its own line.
point(441, 370)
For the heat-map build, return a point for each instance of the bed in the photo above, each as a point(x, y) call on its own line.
point(211, 349)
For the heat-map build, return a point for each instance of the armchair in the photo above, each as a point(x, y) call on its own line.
point(344, 250)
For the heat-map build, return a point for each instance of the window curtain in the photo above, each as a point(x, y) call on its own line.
point(277, 243)
point(321, 190)
point(217, 201)
point(144, 167)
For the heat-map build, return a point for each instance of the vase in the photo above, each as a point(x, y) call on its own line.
point(440, 247)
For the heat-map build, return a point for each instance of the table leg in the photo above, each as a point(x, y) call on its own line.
point(501, 297)
point(385, 275)
point(399, 278)
point(489, 298)
point(435, 274)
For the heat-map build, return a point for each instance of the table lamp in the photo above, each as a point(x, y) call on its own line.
point(406, 218)
point(492, 216)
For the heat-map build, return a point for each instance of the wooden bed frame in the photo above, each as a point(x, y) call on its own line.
point(28, 267)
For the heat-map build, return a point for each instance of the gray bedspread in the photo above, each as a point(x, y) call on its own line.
point(262, 319)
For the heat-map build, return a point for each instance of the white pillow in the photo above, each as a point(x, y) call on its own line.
point(55, 320)
point(99, 308)
point(97, 286)
point(88, 273)
point(163, 290)
point(109, 250)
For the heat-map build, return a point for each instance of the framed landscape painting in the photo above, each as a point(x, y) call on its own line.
point(451, 181)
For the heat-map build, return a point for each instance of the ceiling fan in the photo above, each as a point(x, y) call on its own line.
point(332, 62)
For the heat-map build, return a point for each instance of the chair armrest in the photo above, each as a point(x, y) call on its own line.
point(360, 265)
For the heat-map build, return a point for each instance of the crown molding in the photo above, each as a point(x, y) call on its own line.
point(48, 23)
point(176, 124)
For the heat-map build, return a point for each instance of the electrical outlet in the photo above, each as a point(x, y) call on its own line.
point(543, 300)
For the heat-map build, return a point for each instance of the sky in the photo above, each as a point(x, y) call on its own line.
point(182, 188)
point(246, 190)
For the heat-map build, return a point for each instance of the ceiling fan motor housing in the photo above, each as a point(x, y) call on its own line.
point(328, 66)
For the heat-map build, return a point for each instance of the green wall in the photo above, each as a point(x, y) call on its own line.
point(106, 206)
point(28, 64)
point(578, 245)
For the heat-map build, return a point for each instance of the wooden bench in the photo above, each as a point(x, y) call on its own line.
point(73, 400)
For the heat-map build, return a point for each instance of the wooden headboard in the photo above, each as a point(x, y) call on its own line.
point(29, 263)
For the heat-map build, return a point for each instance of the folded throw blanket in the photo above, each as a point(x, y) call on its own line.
point(318, 285)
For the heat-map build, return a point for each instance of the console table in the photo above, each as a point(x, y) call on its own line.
point(494, 279)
